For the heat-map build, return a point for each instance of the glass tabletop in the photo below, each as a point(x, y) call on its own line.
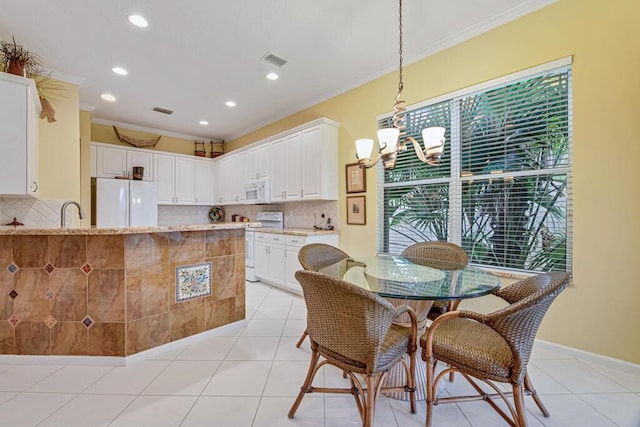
point(394, 276)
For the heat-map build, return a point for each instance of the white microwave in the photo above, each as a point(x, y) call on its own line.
point(256, 192)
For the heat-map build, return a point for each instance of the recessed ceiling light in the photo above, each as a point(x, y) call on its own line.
point(108, 97)
point(204, 122)
point(138, 21)
point(119, 70)
point(230, 104)
point(272, 76)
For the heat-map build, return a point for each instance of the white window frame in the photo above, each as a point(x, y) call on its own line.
point(455, 180)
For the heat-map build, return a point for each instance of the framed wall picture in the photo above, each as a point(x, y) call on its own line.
point(356, 210)
point(356, 178)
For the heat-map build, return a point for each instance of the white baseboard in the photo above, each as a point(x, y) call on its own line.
point(14, 359)
point(610, 362)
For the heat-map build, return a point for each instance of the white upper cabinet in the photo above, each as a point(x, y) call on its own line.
point(277, 170)
point(292, 167)
point(115, 161)
point(165, 178)
point(143, 159)
point(111, 162)
point(251, 173)
point(203, 182)
point(263, 161)
point(304, 164)
point(319, 162)
point(19, 111)
point(185, 193)
point(258, 162)
point(175, 177)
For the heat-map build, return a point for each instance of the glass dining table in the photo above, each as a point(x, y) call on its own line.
point(415, 282)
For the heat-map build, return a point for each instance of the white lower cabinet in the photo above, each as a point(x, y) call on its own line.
point(276, 257)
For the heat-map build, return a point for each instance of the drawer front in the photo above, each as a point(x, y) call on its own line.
point(261, 237)
point(277, 238)
point(295, 241)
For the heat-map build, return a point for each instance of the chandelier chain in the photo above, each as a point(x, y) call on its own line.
point(398, 106)
point(400, 83)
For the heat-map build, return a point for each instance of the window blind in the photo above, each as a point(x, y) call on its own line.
point(503, 188)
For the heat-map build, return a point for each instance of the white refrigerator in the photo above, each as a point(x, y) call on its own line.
point(126, 203)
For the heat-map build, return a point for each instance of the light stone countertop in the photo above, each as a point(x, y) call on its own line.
point(10, 230)
point(294, 231)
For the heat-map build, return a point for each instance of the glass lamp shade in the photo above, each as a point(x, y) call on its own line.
point(388, 136)
point(364, 148)
point(433, 138)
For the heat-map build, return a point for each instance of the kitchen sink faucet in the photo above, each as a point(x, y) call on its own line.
point(63, 213)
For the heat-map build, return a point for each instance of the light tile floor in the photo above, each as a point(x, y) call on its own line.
point(249, 376)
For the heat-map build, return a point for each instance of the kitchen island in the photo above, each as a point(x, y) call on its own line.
point(117, 291)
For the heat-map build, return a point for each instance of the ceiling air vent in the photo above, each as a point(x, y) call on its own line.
point(163, 110)
point(273, 59)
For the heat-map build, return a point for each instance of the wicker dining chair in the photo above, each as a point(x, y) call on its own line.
point(440, 255)
point(492, 347)
point(315, 256)
point(353, 329)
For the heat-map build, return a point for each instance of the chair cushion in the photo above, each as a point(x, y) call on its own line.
point(474, 348)
point(394, 346)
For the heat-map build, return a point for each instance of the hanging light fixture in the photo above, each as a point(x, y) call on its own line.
point(392, 140)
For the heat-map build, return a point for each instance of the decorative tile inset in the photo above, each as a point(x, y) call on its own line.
point(13, 294)
point(12, 268)
point(50, 321)
point(193, 281)
point(87, 321)
point(49, 295)
point(14, 320)
point(49, 267)
point(86, 268)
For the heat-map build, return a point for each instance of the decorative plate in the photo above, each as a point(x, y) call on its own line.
point(216, 214)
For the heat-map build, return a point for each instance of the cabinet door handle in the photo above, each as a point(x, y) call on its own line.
point(301, 193)
point(35, 186)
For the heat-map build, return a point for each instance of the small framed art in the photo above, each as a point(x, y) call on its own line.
point(356, 178)
point(356, 210)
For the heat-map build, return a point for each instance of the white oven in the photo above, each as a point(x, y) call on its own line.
point(267, 220)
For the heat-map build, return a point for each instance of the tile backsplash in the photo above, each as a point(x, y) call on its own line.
point(297, 215)
point(34, 212)
point(183, 215)
point(46, 213)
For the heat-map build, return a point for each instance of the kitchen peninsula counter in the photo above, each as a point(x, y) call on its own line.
point(117, 291)
point(34, 231)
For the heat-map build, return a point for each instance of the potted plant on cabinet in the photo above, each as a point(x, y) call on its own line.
point(18, 60)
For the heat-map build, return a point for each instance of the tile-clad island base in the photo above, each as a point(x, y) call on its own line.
point(112, 292)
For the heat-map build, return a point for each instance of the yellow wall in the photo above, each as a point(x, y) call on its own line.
point(85, 165)
point(59, 148)
point(599, 312)
point(103, 133)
